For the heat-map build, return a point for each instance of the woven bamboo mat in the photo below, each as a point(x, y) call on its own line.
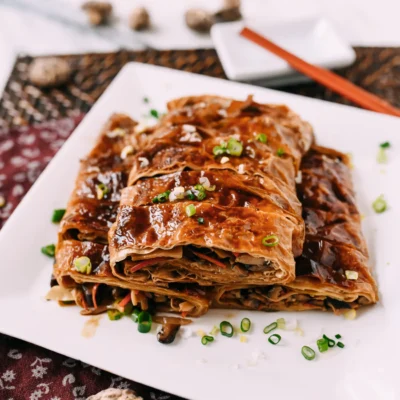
point(376, 69)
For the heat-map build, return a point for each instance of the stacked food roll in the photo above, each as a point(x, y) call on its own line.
point(202, 211)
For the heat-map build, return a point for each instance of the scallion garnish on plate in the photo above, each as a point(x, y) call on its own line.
point(206, 339)
point(331, 342)
point(83, 265)
point(245, 325)
point(270, 327)
point(144, 322)
point(308, 353)
point(57, 215)
point(274, 339)
point(338, 336)
point(322, 345)
point(340, 344)
point(49, 250)
point(270, 240)
point(380, 204)
point(384, 145)
point(226, 329)
point(200, 192)
point(154, 113)
point(235, 147)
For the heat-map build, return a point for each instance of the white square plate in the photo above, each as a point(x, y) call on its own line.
point(313, 39)
point(367, 368)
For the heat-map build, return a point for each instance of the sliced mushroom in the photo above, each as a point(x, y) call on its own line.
point(167, 333)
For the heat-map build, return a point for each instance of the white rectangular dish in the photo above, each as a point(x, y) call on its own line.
point(313, 39)
point(367, 368)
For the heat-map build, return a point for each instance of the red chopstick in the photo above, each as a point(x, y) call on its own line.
point(325, 77)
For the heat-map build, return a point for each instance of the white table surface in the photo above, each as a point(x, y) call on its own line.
point(58, 26)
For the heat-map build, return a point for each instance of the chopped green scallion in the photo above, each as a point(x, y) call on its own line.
point(114, 315)
point(162, 197)
point(308, 353)
point(200, 221)
point(270, 240)
point(200, 192)
point(385, 145)
point(49, 250)
point(322, 345)
point(381, 158)
point(205, 339)
point(135, 315)
point(154, 113)
point(280, 152)
point(83, 265)
point(379, 205)
point(190, 210)
point(270, 327)
point(274, 339)
point(57, 215)
point(190, 195)
point(245, 325)
point(338, 336)
point(340, 344)
point(145, 100)
point(144, 322)
point(262, 137)
point(331, 342)
point(101, 191)
point(235, 147)
point(226, 329)
point(281, 323)
point(219, 150)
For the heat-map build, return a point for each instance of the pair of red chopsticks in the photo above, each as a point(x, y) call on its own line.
point(325, 77)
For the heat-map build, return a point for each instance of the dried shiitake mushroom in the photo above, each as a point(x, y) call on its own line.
point(199, 20)
point(229, 12)
point(139, 20)
point(98, 12)
point(49, 72)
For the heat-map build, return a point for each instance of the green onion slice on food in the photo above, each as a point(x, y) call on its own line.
point(57, 215)
point(190, 210)
point(270, 240)
point(308, 353)
point(262, 137)
point(280, 152)
point(162, 197)
point(101, 190)
point(235, 147)
point(83, 265)
point(114, 315)
point(379, 205)
point(205, 339)
point(144, 322)
point(226, 329)
point(200, 192)
point(200, 220)
point(49, 250)
point(245, 325)
point(274, 339)
point(270, 327)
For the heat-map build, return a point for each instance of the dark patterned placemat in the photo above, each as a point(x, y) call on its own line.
point(376, 69)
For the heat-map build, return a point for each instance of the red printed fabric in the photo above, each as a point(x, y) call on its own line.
point(29, 372)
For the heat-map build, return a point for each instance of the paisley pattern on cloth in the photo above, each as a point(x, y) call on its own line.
point(29, 372)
